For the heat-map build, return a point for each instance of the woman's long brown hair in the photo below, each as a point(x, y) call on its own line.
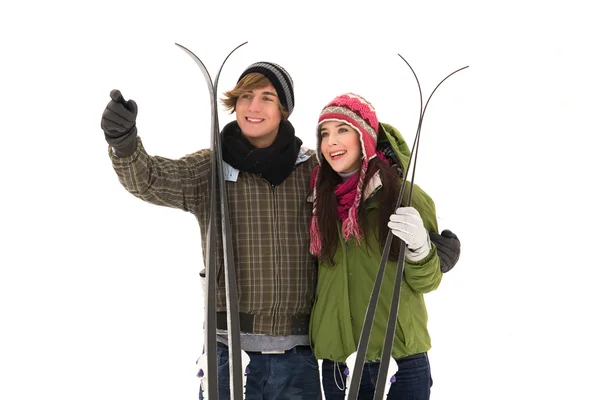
point(327, 204)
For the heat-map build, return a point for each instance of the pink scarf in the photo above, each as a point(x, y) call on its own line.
point(348, 197)
point(346, 193)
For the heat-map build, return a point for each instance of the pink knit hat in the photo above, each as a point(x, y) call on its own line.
point(357, 112)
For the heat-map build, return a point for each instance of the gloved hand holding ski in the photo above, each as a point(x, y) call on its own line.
point(118, 124)
point(407, 224)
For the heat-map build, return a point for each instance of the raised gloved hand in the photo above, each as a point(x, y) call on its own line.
point(448, 248)
point(118, 124)
point(406, 223)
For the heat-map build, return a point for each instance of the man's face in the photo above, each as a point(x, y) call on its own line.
point(257, 114)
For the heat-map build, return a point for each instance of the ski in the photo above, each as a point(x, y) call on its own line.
point(233, 321)
point(395, 302)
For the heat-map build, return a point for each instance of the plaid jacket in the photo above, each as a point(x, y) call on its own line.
point(276, 275)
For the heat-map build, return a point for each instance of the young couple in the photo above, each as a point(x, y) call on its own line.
point(307, 235)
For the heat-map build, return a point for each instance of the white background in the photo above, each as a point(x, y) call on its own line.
point(99, 292)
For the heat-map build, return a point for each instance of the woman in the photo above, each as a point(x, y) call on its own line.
point(355, 188)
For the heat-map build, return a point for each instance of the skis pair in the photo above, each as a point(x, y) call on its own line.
point(371, 308)
point(217, 185)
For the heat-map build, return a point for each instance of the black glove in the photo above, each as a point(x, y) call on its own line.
point(448, 248)
point(118, 124)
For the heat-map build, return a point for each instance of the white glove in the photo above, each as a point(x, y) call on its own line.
point(406, 223)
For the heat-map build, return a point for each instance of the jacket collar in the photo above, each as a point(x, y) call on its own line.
point(231, 174)
point(372, 186)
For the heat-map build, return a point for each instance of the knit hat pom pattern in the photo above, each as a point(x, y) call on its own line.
point(279, 78)
point(357, 112)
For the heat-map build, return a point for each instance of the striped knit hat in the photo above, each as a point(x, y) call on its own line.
point(357, 112)
point(279, 78)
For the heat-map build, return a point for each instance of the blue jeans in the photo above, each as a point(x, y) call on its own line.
point(413, 379)
point(290, 376)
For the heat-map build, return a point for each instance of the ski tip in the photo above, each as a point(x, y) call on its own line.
point(238, 46)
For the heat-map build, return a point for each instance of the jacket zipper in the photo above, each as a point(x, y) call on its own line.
point(276, 247)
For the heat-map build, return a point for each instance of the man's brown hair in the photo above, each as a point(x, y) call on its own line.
point(250, 82)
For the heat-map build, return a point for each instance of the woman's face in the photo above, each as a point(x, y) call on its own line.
point(340, 146)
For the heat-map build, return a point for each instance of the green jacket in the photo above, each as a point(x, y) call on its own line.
point(344, 289)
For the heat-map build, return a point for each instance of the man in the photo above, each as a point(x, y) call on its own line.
point(267, 174)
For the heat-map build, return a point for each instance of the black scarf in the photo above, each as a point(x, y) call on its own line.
point(273, 163)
